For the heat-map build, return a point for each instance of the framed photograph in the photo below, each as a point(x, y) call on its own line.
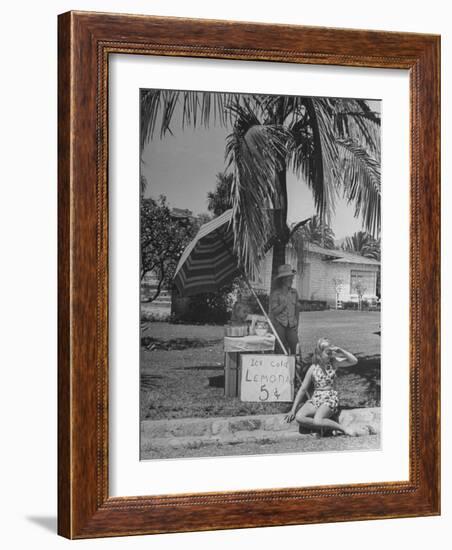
point(248, 275)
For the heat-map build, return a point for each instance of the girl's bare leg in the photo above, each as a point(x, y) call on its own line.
point(321, 420)
point(305, 415)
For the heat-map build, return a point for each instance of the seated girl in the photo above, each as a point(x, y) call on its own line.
point(317, 411)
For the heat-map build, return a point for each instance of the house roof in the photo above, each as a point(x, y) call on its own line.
point(340, 256)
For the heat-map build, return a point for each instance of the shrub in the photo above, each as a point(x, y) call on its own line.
point(155, 316)
point(208, 308)
point(313, 305)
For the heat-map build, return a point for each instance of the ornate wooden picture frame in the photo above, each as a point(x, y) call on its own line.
point(86, 40)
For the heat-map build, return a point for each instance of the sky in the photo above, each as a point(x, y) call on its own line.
point(183, 166)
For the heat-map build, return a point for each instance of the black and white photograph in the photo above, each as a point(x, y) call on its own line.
point(260, 274)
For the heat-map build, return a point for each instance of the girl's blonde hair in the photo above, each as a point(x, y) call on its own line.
point(322, 343)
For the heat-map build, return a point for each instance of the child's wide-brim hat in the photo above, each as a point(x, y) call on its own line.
point(284, 270)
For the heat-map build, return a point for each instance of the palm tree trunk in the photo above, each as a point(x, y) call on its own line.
point(280, 222)
point(279, 257)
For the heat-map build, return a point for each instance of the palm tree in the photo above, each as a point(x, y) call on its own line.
point(317, 232)
point(332, 145)
point(364, 244)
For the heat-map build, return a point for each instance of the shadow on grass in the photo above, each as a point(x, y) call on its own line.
point(359, 386)
point(216, 381)
point(204, 367)
point(150, 381)
point(151, 344)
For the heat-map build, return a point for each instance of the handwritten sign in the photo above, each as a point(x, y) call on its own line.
point(267, 378)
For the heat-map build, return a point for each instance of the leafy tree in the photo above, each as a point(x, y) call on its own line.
point(360, 289)
point(332, 145)
point(220, 200)
point(203, 218)
point(163, 240)
point(143, 185)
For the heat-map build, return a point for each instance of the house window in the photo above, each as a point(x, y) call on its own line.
point(364, 280)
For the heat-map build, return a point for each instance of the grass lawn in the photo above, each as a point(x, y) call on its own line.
point(182, 366)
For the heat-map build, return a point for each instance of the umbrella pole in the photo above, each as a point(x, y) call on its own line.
point(265, 314)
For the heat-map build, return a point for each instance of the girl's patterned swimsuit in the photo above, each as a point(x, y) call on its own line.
point(323, 394)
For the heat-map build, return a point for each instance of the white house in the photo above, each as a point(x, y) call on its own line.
point(324, 274)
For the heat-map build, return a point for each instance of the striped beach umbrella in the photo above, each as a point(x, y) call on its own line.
point(208, 263)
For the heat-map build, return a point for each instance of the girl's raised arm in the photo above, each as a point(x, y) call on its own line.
point(344, 358)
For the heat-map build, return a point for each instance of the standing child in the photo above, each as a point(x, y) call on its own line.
point(285, 308)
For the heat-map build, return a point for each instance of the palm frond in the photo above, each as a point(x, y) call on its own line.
point(324, 180)
point(252, 151)
point(362, 182)
point(368, 113)
point(158, 108)
point(338, 144)
point(150, 103)
point(364, 244)
point(300, 151)
point(353, 119)
point(277, 108)
point(170, 100)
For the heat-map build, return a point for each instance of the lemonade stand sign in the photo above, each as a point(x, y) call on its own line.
point(267, 378)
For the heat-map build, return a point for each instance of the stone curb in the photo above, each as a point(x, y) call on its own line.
point(257, 436)
point(366, 420)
